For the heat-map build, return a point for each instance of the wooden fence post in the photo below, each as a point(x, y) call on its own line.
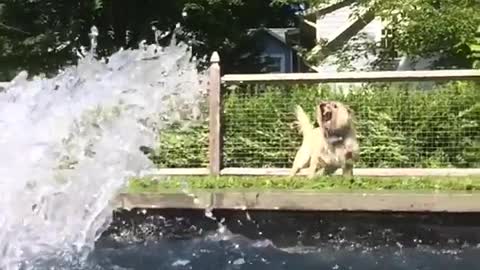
point(215, 136)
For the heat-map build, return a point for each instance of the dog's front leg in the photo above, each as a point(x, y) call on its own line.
point(301, 159)
point(347, 169)
point(293, 171)
point(313, 166)
point(329, 170)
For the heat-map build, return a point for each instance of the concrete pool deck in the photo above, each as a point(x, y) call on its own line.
point(376, 201)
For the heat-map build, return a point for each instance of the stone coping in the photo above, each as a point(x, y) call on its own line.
point(378, 201)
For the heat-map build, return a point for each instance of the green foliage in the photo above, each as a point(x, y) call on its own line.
point(183, 148)
point(398, 126)
point(423, 28)
point(309, 2)
point(475, 49)
point(40, 35)
point(148, 185)
point(429, 27)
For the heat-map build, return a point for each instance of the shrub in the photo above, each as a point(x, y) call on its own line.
point(398, 125)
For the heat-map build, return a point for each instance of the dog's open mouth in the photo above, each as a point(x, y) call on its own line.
point(326, 112)
point(327, 116)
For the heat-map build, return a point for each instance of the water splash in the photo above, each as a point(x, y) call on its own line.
point(69, 143)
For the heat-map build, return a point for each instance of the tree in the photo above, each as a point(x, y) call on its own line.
point(475, 49)
point(39, 34)
point(429, 27)
point(425, 27)
point(43, 33)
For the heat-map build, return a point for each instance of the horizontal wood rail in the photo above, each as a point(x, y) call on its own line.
point(366, 76)
point(372, 172)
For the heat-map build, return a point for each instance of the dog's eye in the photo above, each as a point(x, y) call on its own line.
point(335, 105)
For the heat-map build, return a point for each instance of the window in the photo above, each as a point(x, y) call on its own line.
point(388, 44)
point(274, 63)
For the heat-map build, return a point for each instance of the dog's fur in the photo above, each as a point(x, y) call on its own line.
point(332, 145)
point(337, 119)
point(314, 149)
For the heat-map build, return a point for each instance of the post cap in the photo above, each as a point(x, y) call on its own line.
point(215, 58)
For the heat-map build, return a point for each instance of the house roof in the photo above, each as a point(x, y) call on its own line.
point(278, 33)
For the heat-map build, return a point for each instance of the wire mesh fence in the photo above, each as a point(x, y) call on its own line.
point(399, 125)
point(182, 147)
point(184, 144)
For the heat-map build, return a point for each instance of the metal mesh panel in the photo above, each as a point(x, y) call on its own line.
point(183, 144)
point(399, 125)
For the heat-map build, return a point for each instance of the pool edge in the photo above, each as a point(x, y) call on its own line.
point(377, 201)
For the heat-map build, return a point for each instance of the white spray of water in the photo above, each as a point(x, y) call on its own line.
point(70, 143)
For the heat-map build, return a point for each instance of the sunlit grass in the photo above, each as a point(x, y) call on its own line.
point(301, 183)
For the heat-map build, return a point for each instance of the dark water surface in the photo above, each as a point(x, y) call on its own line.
point(175, 239)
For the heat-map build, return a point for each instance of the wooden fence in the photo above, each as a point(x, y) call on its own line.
point(215, 116)
point(215, 120)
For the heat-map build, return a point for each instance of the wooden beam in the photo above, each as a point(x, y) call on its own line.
point(374, 172)
point(325, 8)
point(215, 136)
point(309, 23)
point(350, 31)
point(176, 171)
point(367, 76)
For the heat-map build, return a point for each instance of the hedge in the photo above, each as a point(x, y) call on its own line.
point(399, 125)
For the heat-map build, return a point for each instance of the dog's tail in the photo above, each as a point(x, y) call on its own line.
point(305, 126)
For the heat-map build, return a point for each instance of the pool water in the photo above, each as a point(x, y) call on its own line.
point(174, 239)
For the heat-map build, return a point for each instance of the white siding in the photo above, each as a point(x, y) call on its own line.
point(372, 33)
point(332, 24)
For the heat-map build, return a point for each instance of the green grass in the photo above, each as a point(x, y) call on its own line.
point(178, 183)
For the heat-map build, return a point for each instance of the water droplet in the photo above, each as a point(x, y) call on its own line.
point(239, 261)
point(180, 262)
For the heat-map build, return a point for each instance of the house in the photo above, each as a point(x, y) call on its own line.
point(340, 36)
point(277, 49)
point(346, 37)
